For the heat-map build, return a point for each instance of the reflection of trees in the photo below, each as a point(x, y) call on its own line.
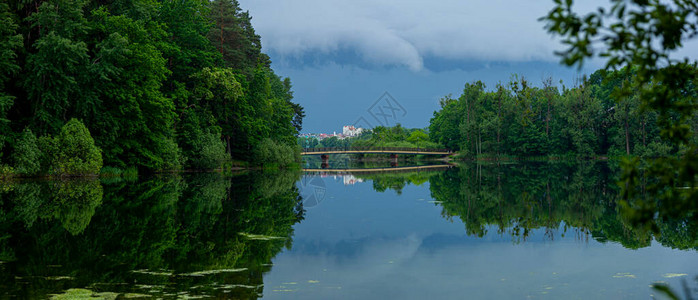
point(151, 232)
point(365, 161)
point(72, 202)
point(396, 181)
point(75, 202)
point(522, 197)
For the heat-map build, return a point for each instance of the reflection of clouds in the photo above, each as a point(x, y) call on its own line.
point(380, 249)
point(453, 267)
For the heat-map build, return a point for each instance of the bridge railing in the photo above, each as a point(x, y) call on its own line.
point(385, 149)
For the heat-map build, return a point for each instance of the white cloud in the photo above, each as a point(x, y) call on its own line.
point(403, 33)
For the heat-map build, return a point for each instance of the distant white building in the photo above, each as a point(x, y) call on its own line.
point(351, 180)
point(350, 130)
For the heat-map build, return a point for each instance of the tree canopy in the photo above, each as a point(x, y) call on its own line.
point(159, 84)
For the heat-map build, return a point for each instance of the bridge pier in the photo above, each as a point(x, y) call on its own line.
point(325, 160)
point(393, 160)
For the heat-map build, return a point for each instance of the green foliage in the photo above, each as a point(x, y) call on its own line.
point(417, 137)
point(234, 37)
point(521, 120)
point(268, 152)
point(213, 153)
point(201, 144)
point(642, 38)
point(73, 151)
point(333, 142)
point(308, 142)
point(10, 42)
point(6, 171)
point(397, 181)
point(381, 136)
point(169, 156)
point(134, 121)
point(49, 151)
point(75, 203)
point(133, 72)
point(109, 172)
point(56, 76)
point(188, 50)
point(27, 155)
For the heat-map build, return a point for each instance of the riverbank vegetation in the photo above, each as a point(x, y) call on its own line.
point(158, 85)
point(520, 119)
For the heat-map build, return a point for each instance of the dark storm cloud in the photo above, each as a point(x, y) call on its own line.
point(408, 33)
point(404, 33)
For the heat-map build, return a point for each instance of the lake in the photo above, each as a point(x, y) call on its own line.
point(483, 231)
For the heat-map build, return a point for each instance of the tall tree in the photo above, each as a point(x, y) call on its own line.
point(56, 68)
point(10, 42)
point(235, 38)
point(134, 123)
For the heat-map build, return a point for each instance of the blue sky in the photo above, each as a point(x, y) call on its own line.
point(343, 55)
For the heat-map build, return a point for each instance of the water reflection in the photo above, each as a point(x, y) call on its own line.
point(516, 199)
point(520, 198)
point(486, 231)
point(202, 235)
point(362, 162)
point(442, 229)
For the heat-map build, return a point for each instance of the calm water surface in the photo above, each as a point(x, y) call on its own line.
point(543, 230)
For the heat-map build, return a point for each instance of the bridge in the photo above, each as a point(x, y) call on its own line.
point(378, 170)
point(375, 150)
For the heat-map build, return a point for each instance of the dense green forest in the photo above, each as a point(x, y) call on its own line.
point(151, 84)
point(520, 119)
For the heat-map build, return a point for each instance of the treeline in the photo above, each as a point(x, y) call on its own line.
point(159, 84)
point(380, 136)
point(522, 120)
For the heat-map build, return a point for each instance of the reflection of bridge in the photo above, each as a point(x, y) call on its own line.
point(375, 150)
point(393, 151)
point(379, 170)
